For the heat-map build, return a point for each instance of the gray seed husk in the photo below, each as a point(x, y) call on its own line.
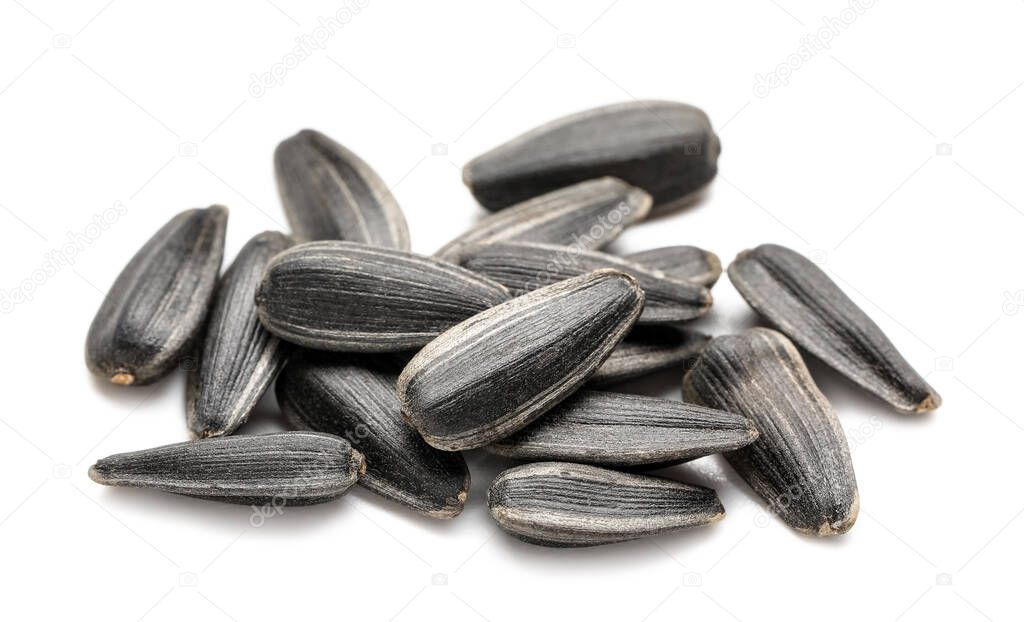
point(353, 396)
point(329, 193)
point(800, 464)
point(155, 309)
point(586, 215)
point(800, 300)
point(616, 429)
point(238, 359)
point(666, 148)
point(685, 263)
point(499, 370)
point(344, 296)
point(571, 505)
point(648, 349)
point(526, 266)
point(289, 468)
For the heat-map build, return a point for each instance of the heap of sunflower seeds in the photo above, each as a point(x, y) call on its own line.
point(390, 363)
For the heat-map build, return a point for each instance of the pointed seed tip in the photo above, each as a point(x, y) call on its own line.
point(123, 378)
point(929, 403)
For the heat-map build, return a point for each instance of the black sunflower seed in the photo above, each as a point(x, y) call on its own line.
point(648, 349)
point(501, 369)
point(353, 396)
point(685, 263)
point(800, 464)
point(156, 307)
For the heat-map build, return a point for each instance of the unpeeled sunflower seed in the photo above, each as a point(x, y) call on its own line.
point(586, 215)
point(526, 266)
point(238, 359)
point(329, 193)
point(800, 464)
point(647, 349)
point(156, 307)
point(353, 396)
point(666, 148)
point(685, 263)
point(289, 468)
point(616, 429)
point(562, 504)
point(804, 303)
point(499, 370)
point(345, 296)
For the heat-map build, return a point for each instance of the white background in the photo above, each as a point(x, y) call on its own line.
point(149, 107)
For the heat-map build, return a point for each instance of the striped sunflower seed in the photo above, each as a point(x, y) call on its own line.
point(616, 429)
point(586, 215)
point(666, 148)
point(501, 369)
point(353, 396)
point(329, 193)
point(239, 358)
point(800, 464)
point(345, 296)
point(685, 263)
point(526, 266)
point(648, 349)
point(156, 307)
point(800, 300)
point(570, 505)
point(289, 468)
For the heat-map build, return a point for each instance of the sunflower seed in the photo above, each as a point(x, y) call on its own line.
point(351, 297)
point(647, 349)
point(526, 266)
point(289, 468)
point(616, 429)
point(353, 396)
point(804, 303)
point(329, 193)
point(666, 148)
point(501, 369)
point(562, 504)
point(586, 215)
point(156, 307)
point(685, 263)
point(800, 464)
point(239, 358)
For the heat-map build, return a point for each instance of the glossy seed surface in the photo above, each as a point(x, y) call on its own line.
point(344, 296)
point(526, 266)
point(289, 468)
point(686, 263)
point(155, 309)
point(617, 429)
point(666, 148)
point(499, 370)
point(800, 464)
point(353, 396)
point(562, 504)
point(329, 193)
point(238, 358)
point(586, 215)
point(795, 295)
point(648, 349)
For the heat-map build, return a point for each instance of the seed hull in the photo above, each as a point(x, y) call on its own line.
point(648, 349)
point(800, 463)
point(353, 396)
point(293, 468)
point(155, 309)
point(571, 505)
point(238, 359)
point(804, 303)
point(684, 263)
point(501, 369)
point(350, 297)
point(329, 193)
point(666, 148)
